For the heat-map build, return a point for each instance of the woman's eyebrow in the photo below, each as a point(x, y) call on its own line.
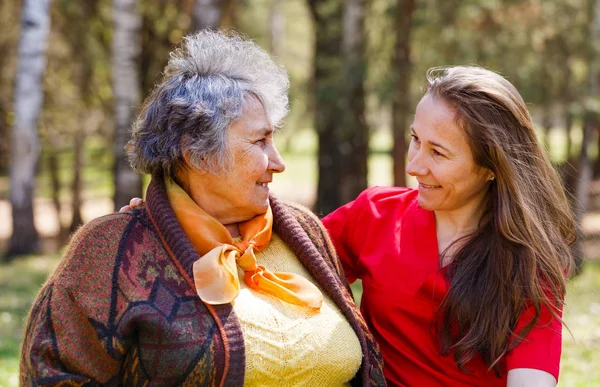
point(436, 144)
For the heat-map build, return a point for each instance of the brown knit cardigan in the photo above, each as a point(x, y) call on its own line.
point(121, 308)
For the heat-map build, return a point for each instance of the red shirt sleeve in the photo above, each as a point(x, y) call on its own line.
point(542, 347)
point(340, 225)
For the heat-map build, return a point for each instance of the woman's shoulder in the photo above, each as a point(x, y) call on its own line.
point(94, 246)
point(107, 227)
point(299, 210)
point(303, 215)
point(379, 193)
point(385, 199)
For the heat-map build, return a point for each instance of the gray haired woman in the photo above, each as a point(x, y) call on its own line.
point(213, 281)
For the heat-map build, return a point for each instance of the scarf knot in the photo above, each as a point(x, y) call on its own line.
point(215, 273)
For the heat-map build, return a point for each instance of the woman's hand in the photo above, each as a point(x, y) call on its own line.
point(133, 203)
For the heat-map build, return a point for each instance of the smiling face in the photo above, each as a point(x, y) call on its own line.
point(241, 191)
point(440, 159)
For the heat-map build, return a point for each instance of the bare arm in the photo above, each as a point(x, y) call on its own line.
point(529, 377)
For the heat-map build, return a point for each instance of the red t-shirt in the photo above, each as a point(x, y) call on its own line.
point(388, 241)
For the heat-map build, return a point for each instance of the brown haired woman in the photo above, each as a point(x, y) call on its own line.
point(464, 277)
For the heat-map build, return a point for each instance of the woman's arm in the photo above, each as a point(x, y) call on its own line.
point(535, 361)
point(61, 346)
point(529, 377)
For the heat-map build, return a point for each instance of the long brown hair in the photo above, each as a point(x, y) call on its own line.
point(519, 256)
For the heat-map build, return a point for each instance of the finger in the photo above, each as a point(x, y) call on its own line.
point(126, 209)
point(135, 202)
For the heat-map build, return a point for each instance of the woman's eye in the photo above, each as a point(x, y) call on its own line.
point(414, 138)
point(437, 154)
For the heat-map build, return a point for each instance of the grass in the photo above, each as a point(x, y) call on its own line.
point(19, 284)
point(582, 316)
point(21, 280)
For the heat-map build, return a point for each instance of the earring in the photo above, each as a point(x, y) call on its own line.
point(491, 178)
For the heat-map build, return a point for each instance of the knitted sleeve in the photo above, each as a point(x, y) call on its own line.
point(66, 338)
point(61, 345)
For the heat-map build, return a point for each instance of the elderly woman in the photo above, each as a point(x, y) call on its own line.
point(213, 281)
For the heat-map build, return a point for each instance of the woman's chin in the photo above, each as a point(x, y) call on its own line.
point(426, 204)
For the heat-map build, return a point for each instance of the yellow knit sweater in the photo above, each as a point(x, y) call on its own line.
point(288, 345)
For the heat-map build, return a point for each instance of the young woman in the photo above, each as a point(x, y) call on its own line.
point(464, 277)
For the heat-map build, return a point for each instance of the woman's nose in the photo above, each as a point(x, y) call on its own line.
point(276, 163)
point(416, 165)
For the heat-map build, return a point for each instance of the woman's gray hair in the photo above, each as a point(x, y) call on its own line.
point(203, 91)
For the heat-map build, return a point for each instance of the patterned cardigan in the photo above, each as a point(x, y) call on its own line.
point(121, 309)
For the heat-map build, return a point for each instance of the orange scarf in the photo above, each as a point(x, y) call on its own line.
point(215, 273)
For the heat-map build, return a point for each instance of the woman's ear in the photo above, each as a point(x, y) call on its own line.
point(199, 167)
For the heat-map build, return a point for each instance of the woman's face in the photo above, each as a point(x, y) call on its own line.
point(442, 162)
point(241, 192)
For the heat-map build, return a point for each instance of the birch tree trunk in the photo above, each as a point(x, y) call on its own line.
point(126, 50)
point(401, 107)
point(35, 28)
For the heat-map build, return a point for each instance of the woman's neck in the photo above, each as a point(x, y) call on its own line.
point(195, 193)
point(233, 229)
point(451, 226)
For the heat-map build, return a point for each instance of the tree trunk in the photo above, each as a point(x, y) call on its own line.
point(567, 99)
point(582, 195)
point(126, 49)
point(568, 172)
point(354, 132)
point(596, 173)
point(208, 13)
point(76, 218)
point(327, 71)
point(401, 107)
point(591, 121)
point(277, 33)
point(53, 171)
point(35, 28)
point(4, 140)
point(87, 120)
point(547, 124)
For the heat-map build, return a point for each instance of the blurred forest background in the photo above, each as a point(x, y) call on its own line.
point(74, 73)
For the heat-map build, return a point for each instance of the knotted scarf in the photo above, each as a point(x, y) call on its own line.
point(215, 273)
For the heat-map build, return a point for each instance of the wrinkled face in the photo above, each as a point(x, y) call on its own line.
point(441, 160)
point(241, 192)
